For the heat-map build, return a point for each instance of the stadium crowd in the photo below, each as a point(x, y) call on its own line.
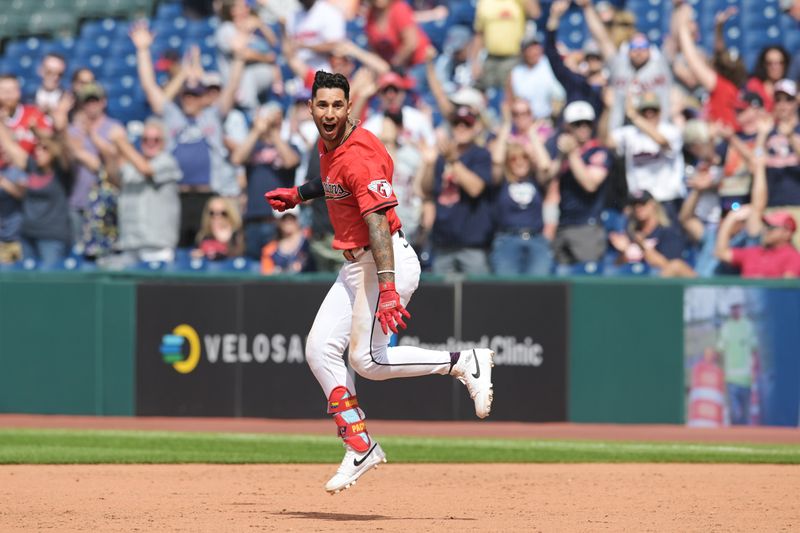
point(514, 155)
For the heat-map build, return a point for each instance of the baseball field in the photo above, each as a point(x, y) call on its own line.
point(167, 474)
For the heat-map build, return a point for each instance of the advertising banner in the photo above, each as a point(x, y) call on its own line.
point(526, 326)
point(182, 359)
point(238, 349)
point(741, 356)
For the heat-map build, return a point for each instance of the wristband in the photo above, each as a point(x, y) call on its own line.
point(310, 190)
point(385, 271)
point(387, 286)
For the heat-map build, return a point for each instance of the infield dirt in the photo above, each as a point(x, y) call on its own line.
point(404, 497)
point(487, 497)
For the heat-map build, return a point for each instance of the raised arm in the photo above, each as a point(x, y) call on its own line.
point(706, 76)
point(722, 248)
point(227, 98)
point(533, 9)
point(446, 107)
point(563, 74)
point(368, 59)
point(109, 155)
point(143, 39)
point(597, 29)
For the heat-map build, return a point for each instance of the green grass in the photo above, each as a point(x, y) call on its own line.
point(54, 446)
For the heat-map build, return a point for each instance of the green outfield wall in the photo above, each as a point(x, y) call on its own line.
point(66, 344)
point(609, 351)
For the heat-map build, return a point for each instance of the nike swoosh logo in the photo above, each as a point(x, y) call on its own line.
point(477, 374)
point(357, 462)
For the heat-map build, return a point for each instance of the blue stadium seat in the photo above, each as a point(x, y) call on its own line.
point(63, 46)
point(633, 269)
point(120, 65)
point(588, 268)
point(169, 11)
point(123, 83)
point(23, 65)
point(126, 108)
point(199, 29)
point(238, 264)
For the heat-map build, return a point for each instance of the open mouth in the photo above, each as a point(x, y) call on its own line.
point(329, 128)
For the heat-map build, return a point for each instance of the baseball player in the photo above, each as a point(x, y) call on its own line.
point(367, 301)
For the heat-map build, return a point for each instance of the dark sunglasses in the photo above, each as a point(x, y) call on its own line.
point(152, 140)
point(579, 123)
point(466, 121)
point(223, 214)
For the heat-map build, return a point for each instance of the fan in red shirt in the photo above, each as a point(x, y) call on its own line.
point(19, 118)
point(776, 257)
point(367, 301)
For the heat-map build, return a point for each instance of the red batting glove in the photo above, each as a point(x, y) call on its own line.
point(390, 311)
point(283, 199)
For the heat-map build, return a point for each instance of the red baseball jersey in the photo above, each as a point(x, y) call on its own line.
point(357, 178)
point(20, 125)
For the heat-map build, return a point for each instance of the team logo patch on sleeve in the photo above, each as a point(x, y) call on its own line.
point(381, 187)
point(598, 158)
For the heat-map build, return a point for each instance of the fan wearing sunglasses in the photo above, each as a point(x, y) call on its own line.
point(220, 236)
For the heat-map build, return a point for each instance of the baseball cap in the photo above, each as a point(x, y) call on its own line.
point(591, 49)
point(90, 91)
point(639, 42)
point(639, 197)
point(197, 89)
point(749, 99)
point(781, 219)
point(470, 97)
point(579, 111)
point(649, 101)
point(464, 114)
point(393, 79)
point(786, 86)
point(696, 131)
point(212, 79)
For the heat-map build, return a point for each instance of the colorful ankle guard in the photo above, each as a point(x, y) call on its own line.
point(349, 419)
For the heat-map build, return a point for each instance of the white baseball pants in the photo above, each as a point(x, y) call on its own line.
point(347, 317)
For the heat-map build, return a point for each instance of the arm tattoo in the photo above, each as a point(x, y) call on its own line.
point(380, 242)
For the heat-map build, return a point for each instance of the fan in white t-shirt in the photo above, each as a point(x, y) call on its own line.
point(652, 150)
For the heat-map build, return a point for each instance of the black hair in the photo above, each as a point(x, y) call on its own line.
point(760, 70)
point(326, 80)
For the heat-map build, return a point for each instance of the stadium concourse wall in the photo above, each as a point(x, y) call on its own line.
point(580, 349)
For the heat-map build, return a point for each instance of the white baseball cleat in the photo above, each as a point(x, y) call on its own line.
point(353, 466)
point(474, 369)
